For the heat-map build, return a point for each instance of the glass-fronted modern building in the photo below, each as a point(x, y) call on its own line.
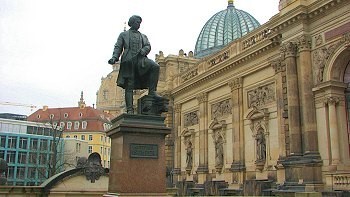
point(26, 146)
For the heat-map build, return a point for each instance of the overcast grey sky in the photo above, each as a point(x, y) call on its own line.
point(51, 50)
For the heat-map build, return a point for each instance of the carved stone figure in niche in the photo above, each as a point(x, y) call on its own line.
point(189, 155)
point(219, 152)
point(260, 145)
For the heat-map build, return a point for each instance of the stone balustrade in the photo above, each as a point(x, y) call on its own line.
point(341, 181)
point(256, 38)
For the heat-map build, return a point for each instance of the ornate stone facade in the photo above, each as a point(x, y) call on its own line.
point(269, 106)
point(260, 108)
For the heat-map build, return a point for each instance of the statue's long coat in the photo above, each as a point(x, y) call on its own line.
point(128, 69)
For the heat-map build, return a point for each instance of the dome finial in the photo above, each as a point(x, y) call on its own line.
point(230, 3)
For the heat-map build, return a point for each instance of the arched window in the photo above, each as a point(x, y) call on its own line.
point(76, 125)
point(347, 98)
point(84, 125)
point(69, 125)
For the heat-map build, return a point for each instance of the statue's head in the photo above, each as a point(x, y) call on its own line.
point(134, 22)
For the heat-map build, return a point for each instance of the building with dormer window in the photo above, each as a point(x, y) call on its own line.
point(82, 122)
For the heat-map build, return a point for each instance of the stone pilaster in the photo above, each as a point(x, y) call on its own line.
point(307, 105)
point(279, 68)
point(236, 86)
point(333, 129)
point(177, 128)
point(203, 137)
point(293, 99)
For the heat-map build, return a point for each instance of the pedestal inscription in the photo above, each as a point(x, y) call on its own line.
point(144, 151)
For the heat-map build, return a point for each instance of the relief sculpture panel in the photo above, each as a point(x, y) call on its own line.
point(191, 119)
point(221, 109)
point(261, 95)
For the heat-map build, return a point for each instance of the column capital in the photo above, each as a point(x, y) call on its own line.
point(236, 83)
point(288, 49)
point(202, 97)
point(177, 108)
point(304, 43)
point(331, 100)
point(277, 65)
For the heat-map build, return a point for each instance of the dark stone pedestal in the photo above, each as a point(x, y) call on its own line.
point(302, 174)
point(138, 156)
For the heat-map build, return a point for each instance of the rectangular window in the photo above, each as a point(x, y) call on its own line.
point(33, 158)
point(101, 151)
point(90, 149)
point(30, 130)
point(11, 156)
point(23, 143)
point(40, 131)
point(34, 144)
point(77, 147)
point(101, 138)
point(11, 172)
point(31, 173)
point(82, 137)
point(43, 144)
point(22, 157)
point(47, 132)
point(12, 141)
point(21, 173)
point(2, 141)
point(42, 173)
point(90, 137)
point(43, 158)
point(2, 154)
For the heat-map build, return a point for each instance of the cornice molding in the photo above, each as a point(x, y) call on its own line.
point(222, 68)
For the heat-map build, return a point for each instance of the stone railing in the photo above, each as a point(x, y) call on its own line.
point(339, 181)
point(256, 38)
point(261, 34)
point(192, 72)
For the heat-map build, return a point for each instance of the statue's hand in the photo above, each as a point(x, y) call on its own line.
point(112, 61)
point(142, 52)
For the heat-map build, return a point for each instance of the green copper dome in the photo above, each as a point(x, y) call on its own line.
point(222, 28)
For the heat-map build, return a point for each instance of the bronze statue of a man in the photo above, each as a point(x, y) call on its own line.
point(136, 70)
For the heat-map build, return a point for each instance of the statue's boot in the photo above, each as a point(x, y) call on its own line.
point(129, 101)
point(153, 82)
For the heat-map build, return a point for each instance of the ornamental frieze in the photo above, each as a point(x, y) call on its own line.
point(191, 119)
point(218, 59)
point(221, 109)
point(261, 95)
point(190, 74)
